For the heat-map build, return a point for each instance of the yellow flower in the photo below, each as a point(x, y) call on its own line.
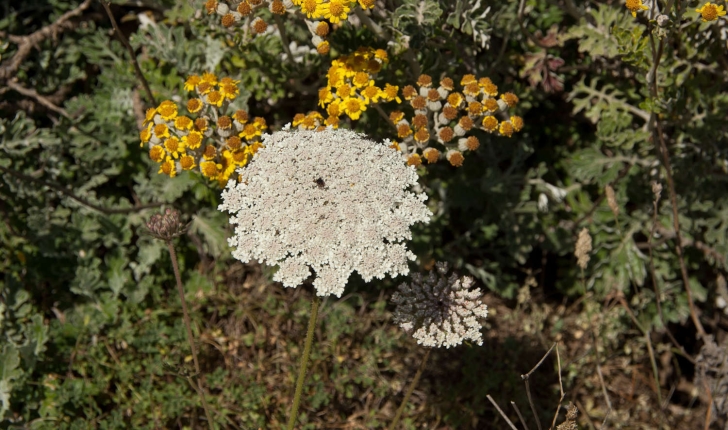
point(182, 123)
point(354, 107)
point(361, 80)
point(192, 140)
point(381, 55)
point(323, 48)
point(332, 121)
point(431, 155)
point(414, 160)
point(322, 29)
point(490, 123)
point(234, 142)
point(209, 78)
point(250, 131)
point(167, 110)
point(506, 129)
point(635, 6)
point(194, 105)
point(467, 79)
point(168, 168)
point(345, 91)
point(173, 146)
point(334, 11)
point(149, 116)
point(228, 165)
point(209, 169)
point(396, 116)
point(259, 123)
point(145, 135)
point(209, 153)
point(298, 119)
point(403, 130)
point(192, 82)
point(390, 93)
point(240, 157)
point(201, 124)
point(710, 12)
point(240, 116)
point(161, 131)
point(325, 97)
point(187, 162)
point(335, 76)
point(371, 93)
point(510, 99)
point(309, 7)
point(490, 104)
point(215, 98)
point(367, 4)
point(228, 81)
point(422, 135)
point(334, 109)
point(517, 122)
point(455, 99)
point(229, 91)
point(156, 153)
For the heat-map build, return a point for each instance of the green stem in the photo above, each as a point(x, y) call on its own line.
point(410, 390)
point(304, 361)
point(190, 339)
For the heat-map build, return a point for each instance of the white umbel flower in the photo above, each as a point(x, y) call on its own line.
point(332, 201)
point(440, 310)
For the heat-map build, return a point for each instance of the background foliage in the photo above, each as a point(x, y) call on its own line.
point(91, 329)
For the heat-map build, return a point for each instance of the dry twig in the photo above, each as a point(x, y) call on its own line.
point(132, 55)
point(26, 43)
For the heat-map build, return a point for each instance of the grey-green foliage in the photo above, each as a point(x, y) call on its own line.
point(596, 36)
point(421, 13)
point(471, 17)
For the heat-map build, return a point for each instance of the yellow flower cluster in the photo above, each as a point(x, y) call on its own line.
point(450, 117)
point(440, 114)
point(332, 10)
point(235, 11)
point(350, 89)
point(208, 140)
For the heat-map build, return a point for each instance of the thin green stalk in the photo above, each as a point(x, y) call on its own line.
point(410, 390)
point(304, 361)
point(190, 339)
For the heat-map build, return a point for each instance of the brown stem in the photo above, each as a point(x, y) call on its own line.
point(26, 43)
point(656, 128)
point(190, 339)
point(132, 56)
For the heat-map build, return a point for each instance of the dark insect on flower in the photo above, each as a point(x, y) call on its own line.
point(320, 183)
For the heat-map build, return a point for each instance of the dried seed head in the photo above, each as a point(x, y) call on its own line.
point(656, 190)
point(583, 248)
point(166, 225)
point(440, 310)
point(611, 200)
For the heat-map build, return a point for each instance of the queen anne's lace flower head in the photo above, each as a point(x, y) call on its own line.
point(440, 310)
point(332, 201)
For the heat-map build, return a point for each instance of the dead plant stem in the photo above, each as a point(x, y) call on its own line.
point(132, 55)
point(659, 140)
point(190, 339)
